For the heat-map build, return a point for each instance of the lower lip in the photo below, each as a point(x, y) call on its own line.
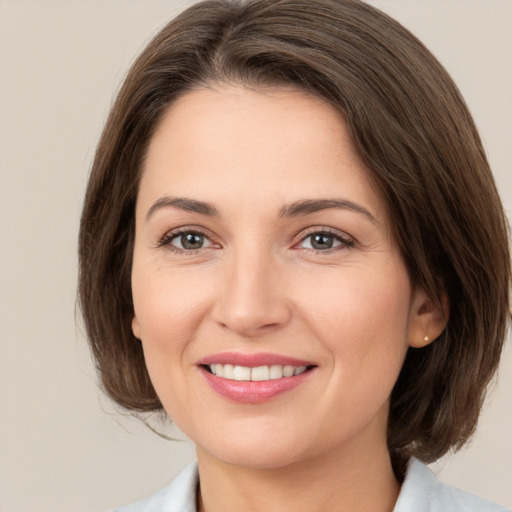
point(253, 392)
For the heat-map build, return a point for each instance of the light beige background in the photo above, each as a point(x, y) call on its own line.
point(62, 446)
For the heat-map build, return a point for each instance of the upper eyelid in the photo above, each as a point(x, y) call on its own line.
point(188, 229)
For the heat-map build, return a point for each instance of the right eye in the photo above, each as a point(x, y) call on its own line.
point(186, 240)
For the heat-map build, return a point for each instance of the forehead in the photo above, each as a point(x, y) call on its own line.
point(282, 120)
point(275, 141)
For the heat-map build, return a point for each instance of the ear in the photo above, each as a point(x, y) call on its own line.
point(135, 327)
point(428, 318)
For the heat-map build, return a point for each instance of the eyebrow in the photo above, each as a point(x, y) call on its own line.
point(295, 209)
point(307, 206)
point(182, 203)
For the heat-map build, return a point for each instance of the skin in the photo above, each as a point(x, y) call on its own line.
point(255, 283)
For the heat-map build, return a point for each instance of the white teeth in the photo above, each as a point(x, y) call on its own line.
point(260, 373)
point(257, 374)
point(288, 371)
point(276, 372)
point(242, 373)
point(227, 371)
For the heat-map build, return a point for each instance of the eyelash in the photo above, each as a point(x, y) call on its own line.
point(344, 240)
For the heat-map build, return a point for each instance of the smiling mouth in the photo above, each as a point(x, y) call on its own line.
point(253, 382)
point(255, 374)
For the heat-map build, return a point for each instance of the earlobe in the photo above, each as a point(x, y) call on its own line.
point(428, 318)
point(136, 327)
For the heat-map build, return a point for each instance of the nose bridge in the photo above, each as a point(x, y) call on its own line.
point(252, 300)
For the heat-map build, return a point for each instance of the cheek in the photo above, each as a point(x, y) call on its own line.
point(359, 300)
point(167, 304)
point(168, 311)
point(362, 318)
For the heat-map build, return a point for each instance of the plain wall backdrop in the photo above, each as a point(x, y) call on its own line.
point(63, 447)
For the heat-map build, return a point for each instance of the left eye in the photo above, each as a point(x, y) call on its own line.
point(189, 241)
point(322, 241)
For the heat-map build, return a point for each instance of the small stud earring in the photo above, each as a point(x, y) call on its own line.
point(426, 338)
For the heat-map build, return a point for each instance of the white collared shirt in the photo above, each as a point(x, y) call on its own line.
point(421, 492)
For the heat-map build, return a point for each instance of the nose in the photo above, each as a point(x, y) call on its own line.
point(252, 300)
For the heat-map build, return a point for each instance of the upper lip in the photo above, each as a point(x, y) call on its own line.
point(253, 360)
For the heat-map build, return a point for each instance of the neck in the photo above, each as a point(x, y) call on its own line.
point(341, 482)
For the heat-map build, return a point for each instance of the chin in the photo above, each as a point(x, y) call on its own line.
point(256, 458)
point(256, 449)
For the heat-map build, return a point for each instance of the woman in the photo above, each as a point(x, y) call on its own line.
point(292, 243)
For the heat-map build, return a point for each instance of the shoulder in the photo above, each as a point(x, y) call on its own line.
point(422, 492)
point(179, 496)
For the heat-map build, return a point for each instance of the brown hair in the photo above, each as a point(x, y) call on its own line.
point(412, 129)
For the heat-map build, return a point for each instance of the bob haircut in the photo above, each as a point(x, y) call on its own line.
point(413, 131)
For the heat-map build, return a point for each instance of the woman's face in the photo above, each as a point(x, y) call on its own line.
point(263, 254)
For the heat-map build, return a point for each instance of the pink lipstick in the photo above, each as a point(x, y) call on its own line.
point(253, 378)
